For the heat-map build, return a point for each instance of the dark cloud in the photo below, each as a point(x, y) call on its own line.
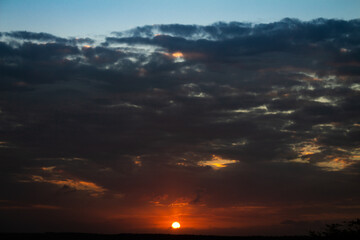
point(248, 125)
point(24, 35)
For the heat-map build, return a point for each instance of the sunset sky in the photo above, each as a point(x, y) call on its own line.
point(229, 117)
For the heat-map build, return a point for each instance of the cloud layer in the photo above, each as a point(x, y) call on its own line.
point(255, 127)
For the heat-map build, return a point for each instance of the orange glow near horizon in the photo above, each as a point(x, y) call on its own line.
point(175, 225)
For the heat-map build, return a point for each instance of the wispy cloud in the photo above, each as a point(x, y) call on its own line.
point(78, 185)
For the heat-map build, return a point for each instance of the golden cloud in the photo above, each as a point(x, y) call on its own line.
point(217, 162)
point(79, 185)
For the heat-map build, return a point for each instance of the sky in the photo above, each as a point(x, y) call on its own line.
point(83, 17)
point(126, 117)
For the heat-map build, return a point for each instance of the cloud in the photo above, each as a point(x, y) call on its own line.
point(32, 207)
point(217, 162)
point(24, 35)
point(77, 185)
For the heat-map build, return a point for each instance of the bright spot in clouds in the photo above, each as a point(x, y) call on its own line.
point(217, 162)
point(177, 55)
point(175, 225)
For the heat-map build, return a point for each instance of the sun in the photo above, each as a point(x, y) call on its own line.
point(175, 225)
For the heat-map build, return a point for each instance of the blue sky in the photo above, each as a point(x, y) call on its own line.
point(81, 17)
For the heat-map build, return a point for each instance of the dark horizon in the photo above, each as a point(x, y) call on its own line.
point(86, 236)
point(231, 128)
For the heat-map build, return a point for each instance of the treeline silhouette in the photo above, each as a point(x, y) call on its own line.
point(344, 230)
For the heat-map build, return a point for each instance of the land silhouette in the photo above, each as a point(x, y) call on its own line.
point(345, 230)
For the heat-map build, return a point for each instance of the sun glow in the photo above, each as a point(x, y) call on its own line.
point(175, 225)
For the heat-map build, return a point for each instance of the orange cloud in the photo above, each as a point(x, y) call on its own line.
point(91, 187)
point(48, 169)
point(335, 164)
point(305, 150)
point(177, 55)
point(217, 162)
point(180, 202)
point(185, 55)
